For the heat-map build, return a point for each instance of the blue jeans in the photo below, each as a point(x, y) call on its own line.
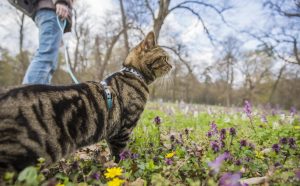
point(44, 62)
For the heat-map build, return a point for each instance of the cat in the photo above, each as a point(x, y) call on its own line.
point(54, 121)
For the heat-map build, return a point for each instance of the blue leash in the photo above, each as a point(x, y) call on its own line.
point(67, 58)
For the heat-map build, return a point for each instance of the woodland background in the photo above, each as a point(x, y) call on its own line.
point(266, 73)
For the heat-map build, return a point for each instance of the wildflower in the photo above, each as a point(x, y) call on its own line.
point(115, 182)
point(243, 143)
point(95, 176)
point(216, 165)
point(156, 159)
point(238, 162)
point(157, 120)
point(124, 154)
point(247, 108)
point(283, 140)
point(215, 146)
point(214, 128)
point(263, 119)
point(222, 144)
point(113, 172)
point(297, 174)
point(259, 154)
point(209, 134)
point(223, 131)
point(293, 111)
point(276, 148)
point(223, 134)
point(170, 155)
point(232, 131)
point(169, 161)
point(292, 143)
point(134, 156)
point(277, 164)
point(229, 179)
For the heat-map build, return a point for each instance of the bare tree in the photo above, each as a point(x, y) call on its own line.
point(125, 27)
point(226, 64)
point(255, 67)
point(282, 38)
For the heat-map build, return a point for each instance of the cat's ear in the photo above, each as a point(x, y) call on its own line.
point(149, 41)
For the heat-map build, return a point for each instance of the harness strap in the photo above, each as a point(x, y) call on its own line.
point(108, 95)
point(133, 71)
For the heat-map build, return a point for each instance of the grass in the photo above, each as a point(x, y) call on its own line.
point(178, 151)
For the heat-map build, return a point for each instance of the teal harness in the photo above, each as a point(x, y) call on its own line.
point(104, 83)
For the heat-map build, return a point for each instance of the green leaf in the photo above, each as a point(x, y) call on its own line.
point(29, 176)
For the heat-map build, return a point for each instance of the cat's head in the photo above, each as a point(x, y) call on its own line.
point(149, 59)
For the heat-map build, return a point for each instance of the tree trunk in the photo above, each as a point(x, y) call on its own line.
point(124, 23)
point(276, 83)
point(162, 14)
point(108, 54)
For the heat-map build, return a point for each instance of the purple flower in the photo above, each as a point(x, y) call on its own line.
point(222, 134)
point(213, 127)
point(223, 131)
point(216, 165)
point(124, 154)
point(134, 156)
point(277, 164)
point(243, 143)
point(293, 111)
point(263, 119)
point(283, 140)
point(214, 146)
point(95, 176)
point(222, 144)
point(155, 159)
point(238, 162)
point(209, 134)
point(169, 161)
point(297, 174)
point(230, 179)
point(232, 131)
point(276, 148)
point(157, 120)
point(292, 143)
point(248, 108)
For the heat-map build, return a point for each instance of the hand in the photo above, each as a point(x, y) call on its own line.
point(62, 10)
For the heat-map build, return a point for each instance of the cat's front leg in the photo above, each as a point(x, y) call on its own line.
point(118, 142)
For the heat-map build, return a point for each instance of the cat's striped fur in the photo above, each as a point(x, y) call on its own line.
point(54, 121)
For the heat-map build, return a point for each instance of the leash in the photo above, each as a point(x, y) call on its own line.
point(66, 47)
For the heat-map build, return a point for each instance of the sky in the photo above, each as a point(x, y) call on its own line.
point(244, 15)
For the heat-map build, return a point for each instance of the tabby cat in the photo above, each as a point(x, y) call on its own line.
point(54, 121)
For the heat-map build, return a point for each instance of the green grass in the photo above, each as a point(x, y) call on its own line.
point(183, 130)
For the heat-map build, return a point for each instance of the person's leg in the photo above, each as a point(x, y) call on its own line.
point(44, 62)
